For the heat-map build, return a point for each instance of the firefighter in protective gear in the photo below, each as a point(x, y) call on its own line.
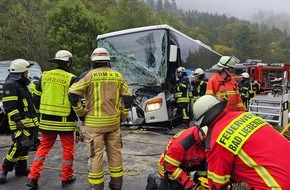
point(57, 118)
point(183, 94)
point(198, 84)
point(224, 86)
point(185, 153)
point(18, 105)
point(107, 100)
point(35, 141)
point(236, 147)
point(246, 89)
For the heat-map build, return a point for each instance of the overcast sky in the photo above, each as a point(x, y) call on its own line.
point(239, 8)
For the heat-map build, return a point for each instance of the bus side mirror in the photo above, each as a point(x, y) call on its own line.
point(173, 53)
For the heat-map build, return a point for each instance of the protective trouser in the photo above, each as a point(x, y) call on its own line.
point(154, 182)
point(47, 141)
point(246, 103)
point(183, 110)
point(17, 155)
point(111, 140)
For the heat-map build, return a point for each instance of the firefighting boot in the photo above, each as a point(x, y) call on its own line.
point(153, 181)
point(21, 168)
point(32, 183)
point(116, 183)
point(97, 187)
point(3, 176)
point(65, 183)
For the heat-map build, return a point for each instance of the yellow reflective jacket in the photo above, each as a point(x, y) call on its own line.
point(54, 97)
point(102, 89)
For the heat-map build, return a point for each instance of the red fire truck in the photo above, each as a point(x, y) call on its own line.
point(242, 67)
point(264, 73)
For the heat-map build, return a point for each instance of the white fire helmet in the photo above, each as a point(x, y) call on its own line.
point(202, 104)
point(227, 62)
point(198, 72)
point(100, 54)
point(181, 69)
point(62, 55)
point(19, 66)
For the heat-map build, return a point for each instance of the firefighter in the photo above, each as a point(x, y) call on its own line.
point(57, 118)
point(18, 105)
point(103, 89)
point(198, 83)
point(246, 89)
point(224, 86)
point(242, 146)
point(36, 141)
point(182, 95)
point(185, 153)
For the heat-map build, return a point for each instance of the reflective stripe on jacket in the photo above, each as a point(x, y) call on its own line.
point(183, 152)
point(102, 89)
point(226, 89)
point(51, 98)
point(244, 147)
point(17, 102)
point(54, 96)
point(182, 90)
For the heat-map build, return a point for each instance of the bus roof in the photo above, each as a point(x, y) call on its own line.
point(153, 27)
point(138, 29)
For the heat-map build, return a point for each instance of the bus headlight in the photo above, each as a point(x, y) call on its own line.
point(153, 105)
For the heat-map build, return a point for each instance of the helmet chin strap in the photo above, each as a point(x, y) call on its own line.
point(227, 72)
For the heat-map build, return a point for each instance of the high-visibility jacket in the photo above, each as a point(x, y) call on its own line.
point(17, 102)
point(51, 98)
point(225, 89)
point(102, 88)
point(246, 89)
point(198, 88)
point(183, 154)
point(245, 148)
point(183, 90)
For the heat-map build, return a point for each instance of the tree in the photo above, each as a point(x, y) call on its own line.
point(74, 28)
point(151, 4)
point(241, 38)
point(167, 5)
point(24, 34)
point(159, 5)
point(130, 14)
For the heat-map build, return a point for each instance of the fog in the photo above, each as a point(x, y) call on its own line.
point(243, 9)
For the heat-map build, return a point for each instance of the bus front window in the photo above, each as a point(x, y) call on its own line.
point(141, 57)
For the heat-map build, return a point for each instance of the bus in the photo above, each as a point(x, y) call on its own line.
point(148, 58)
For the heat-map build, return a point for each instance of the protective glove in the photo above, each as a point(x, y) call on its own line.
point(24, 141)
point(19, 125)
point(190, 185)
point(79, 135)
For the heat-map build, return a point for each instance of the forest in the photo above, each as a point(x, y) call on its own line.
point(36, 30)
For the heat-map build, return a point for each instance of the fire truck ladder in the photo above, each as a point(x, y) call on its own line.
point(272, 109)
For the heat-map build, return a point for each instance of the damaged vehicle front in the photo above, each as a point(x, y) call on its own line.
point(148, 58)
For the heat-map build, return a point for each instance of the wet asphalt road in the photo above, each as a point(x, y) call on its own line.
point(141, 151)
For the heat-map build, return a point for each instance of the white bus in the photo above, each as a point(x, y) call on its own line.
point(148, 57)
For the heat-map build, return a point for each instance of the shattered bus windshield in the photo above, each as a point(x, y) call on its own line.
point(141, 57)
